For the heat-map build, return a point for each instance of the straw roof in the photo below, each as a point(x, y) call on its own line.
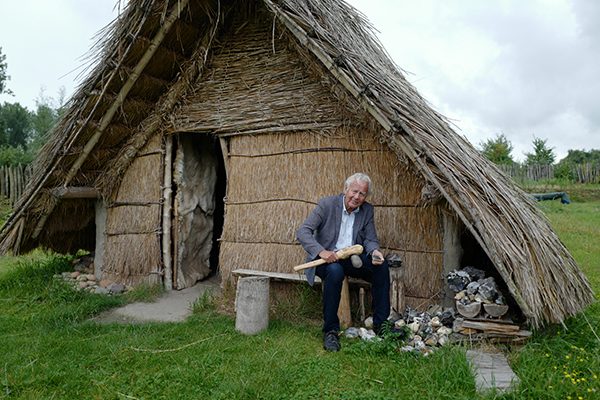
point(151, 56)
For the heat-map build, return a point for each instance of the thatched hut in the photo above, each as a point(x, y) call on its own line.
point(208, 129)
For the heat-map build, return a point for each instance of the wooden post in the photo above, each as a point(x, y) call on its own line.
point(252, 300)
point(361, 295)
point(166, 217)
point(344, 313)
point(11, 185)
point(397, 300)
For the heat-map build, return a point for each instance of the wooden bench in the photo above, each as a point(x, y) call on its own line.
point(344, 312)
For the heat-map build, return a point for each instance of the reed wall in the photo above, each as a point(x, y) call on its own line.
point(133, 227)
point(290, 141)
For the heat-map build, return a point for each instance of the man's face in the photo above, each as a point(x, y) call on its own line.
point(355, 193)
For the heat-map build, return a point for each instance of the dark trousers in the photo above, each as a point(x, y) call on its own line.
point(333, 275)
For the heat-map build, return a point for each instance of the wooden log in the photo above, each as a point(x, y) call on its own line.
point(397, 298)
point(2, 183)
point(11, 185)
point(344, 312)
point(76, 192)
point(491, 327)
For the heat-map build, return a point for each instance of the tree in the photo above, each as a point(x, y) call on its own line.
point(4, 77)
point(542, 154)
point(498, 149)
point(16, 123)
point(47, 114)
point(582, 157)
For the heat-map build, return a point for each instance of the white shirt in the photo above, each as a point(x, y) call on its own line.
point(346, 228)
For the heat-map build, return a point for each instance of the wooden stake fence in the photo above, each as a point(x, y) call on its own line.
point(582, 173)
point(13, 181)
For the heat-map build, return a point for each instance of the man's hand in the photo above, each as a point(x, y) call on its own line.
point(329, 256)
point(377, 257)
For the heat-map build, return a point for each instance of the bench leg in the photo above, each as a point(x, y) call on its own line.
point(344, 313)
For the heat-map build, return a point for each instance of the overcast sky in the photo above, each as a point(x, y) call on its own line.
point(523, 68)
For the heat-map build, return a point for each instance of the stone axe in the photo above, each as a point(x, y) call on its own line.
point(342, 254)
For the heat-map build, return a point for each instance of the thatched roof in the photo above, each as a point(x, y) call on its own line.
point(148, 58)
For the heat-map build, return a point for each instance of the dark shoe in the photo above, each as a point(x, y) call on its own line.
point(387, 328)
point(331, 342)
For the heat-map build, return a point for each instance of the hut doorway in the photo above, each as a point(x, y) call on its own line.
point(200, 184)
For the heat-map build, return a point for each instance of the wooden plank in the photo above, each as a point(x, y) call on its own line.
point(297, 277)
point(491, 327)
point(505, 319)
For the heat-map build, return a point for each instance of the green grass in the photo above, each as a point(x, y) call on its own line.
point(49, 348)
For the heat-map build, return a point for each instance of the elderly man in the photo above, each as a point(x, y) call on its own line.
point(338, 222)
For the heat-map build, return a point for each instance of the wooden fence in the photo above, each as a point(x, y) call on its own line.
point(582, 173)
point(12, 182)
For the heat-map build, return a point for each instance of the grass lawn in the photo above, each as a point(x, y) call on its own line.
point(50, 350)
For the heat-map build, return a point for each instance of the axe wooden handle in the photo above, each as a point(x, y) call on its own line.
point(342, 254)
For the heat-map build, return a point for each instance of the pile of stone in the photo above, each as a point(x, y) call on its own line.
point(426, 330)
point(481, 308)
point(83, 278)
point(476, 294)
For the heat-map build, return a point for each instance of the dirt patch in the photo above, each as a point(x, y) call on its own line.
point(173, 306)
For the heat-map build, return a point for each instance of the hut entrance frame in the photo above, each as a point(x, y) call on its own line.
point(199, 188)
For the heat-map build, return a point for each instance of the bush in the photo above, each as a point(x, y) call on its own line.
point(564, 171)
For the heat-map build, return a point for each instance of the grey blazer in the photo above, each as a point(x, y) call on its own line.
point(321, 229)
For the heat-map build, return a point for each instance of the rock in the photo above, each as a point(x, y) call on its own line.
point(435, 322)
point(472, 287)
point(495, 310)
point(407, 348)
point(419, 344)
point(369, 322)
point(105, 283)
point(101, 290)
point(400, 323)
point(351, 333)
point(83, 284)
point(457, 324)
point(394, 260)
point(443, 340)
point(431, 340)
point(488, 289)
point(469, 310)
point(458, 280)
point(366, 334)
point(447, 318)
point(434, 309)
point(427, 329)
point(444, 331)
point(116, 287)
point(356, 261)
point(474, 273)
point(82, 278)
point(91, 277)
point(460, 295)
point(75, 275)
point(414, 327)
point(410, 314)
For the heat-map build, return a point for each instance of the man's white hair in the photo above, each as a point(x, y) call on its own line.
point(360, 177)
